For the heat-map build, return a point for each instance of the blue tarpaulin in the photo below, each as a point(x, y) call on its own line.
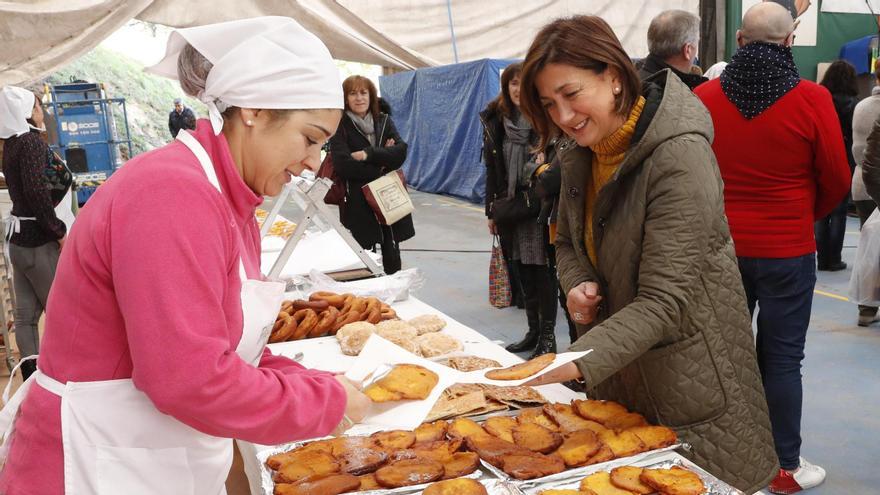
point(437, 111)
point(858, 53)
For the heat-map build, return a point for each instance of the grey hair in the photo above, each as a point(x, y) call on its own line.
point(192, 70)
point(670, 31)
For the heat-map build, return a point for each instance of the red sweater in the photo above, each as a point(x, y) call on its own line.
point(782, 170)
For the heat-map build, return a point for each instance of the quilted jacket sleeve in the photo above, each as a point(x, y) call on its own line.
point(570, 270)
point(682, 197)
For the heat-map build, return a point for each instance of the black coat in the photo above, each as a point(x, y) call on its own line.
point(355, 213)
point(493, 155)
point(845, 105)
point(186, 119)
point(651, 65)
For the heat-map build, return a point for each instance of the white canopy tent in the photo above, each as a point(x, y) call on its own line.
point(42, 35)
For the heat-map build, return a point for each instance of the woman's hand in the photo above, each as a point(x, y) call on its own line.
point(390, 142)
point(493, 229)
point(583, 302)
point(357, 405)
point(564, 373)
point(359, 155)
point(540, 157)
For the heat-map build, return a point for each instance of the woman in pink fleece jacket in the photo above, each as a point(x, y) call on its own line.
point(149, 288)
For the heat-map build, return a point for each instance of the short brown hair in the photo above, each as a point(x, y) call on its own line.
point(583, 41)
point(353, 83)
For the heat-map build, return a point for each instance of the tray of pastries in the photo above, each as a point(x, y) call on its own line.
point(560, 441)
point(664, 474)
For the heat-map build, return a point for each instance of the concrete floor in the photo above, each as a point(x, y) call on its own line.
point(841, 426)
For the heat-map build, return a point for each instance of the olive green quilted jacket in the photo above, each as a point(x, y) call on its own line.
point(673, 339)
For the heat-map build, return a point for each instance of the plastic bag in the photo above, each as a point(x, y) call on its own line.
point(388, 289)
point(864, 284)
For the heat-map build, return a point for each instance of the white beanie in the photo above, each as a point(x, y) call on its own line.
point(263, 62)
point(16, 106)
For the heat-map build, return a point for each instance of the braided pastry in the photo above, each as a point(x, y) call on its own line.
point(306, 319)
point(283, 329)
point(326, 322)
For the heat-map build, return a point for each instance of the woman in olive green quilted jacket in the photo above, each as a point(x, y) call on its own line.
point(644, 251)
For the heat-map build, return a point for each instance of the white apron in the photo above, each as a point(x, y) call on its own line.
point(117, 442)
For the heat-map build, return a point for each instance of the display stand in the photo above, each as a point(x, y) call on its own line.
point(312, 197)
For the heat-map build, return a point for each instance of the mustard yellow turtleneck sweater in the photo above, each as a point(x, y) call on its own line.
point(608, 154)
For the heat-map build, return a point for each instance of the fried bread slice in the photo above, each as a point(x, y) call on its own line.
point(568, 420)
point(623, 443)
point(536, 438)
point(404, 381)
point(627, 478)
point(500, 426)
point(461, 464)
point(655, 437)
point(409, 472)
point(600, 483)
point(394, 439)
point(531, 465)
point(522, 370)
point(673, 481)
point(430, 432)
point(461, 486)
point(598, 410)
point(328, 484)
point(579, 447)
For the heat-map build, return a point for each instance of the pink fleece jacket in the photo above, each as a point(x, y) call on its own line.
point(148, 288)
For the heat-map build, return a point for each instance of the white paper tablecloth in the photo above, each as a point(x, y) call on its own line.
point(324, 354)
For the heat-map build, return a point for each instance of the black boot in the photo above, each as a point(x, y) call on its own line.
point(546, 340)
point(529, 342)
point(27, 369)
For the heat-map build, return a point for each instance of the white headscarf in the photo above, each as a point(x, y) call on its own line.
point(264, 62)
point(16, 106)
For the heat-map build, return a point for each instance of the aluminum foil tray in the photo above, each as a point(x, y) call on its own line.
point(268, 486)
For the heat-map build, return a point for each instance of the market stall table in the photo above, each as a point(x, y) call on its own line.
point(324, 353)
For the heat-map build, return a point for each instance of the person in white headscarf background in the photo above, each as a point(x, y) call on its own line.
point(34, 232)
point(154, 356)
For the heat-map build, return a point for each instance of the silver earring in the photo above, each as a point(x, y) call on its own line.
point(250, 122)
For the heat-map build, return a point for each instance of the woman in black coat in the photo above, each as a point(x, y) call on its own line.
point(511, 163)
point(365, 147)
point(840, 80)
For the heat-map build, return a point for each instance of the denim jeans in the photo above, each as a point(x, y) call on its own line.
point(782, 290)
point(829, 235)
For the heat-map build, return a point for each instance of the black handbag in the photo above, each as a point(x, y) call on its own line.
point(523, 205)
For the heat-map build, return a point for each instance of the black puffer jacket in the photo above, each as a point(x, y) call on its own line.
point(355, 213)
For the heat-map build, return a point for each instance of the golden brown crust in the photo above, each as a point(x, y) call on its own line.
point(536, 415)
point(501, 427)
point(300, 465)
point(522, 370)
point(464, 428)
point(673, 481)
point(368, 482)
point(409, 472)
point(598, 410)
point(623, 443)
point(329, 484)
point(430, 432)
point(403, 382)
point(655, 437)
point(394, 439)
point(462, 486)
point(600, 483)
point(461, 464)
point(625, 421)
point(360, 461)
point(532, 465)
point(568, 420)
point(579, 447)
point(536, 438)
point(603, 455)
point(494, 450)
point(627, 478)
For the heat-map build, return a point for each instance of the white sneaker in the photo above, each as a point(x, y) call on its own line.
point(807, 476)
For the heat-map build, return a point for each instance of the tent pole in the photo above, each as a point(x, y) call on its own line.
point(452, 30)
